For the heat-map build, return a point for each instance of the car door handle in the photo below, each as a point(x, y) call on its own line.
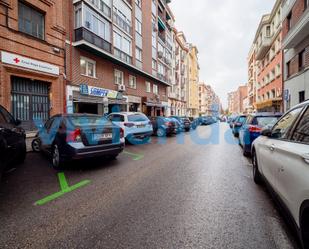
point(272, 147)
point(306, 157)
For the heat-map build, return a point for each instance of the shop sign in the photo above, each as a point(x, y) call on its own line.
point(21, 61)
point(97, 91)
point(134, 99)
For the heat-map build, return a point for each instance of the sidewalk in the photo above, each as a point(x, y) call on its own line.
point(29, 138)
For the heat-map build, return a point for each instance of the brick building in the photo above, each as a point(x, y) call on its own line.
point(268, 55)
point(32, 38)
point(209, 102)
point(118, 59)
point(237, 100)
point(296, 51)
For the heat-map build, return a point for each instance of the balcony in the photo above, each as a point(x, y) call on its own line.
point(263, 47)
point(122, 56)
point(122, 23)
point(83, 34)
point(161, 77)
point(161, 36)
point(297, 33)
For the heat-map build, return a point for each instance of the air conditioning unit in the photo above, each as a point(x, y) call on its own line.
point(121, 88)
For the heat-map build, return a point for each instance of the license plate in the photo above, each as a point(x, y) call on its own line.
point(105, 136)
point(140, 126)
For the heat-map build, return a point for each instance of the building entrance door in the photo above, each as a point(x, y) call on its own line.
point(30, 101)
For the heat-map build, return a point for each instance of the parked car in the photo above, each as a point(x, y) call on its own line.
point(185, 122)
point(207, 120)
point(12, 140)
point(237, 124)
point(76, 136)
point(137, 127)
point(252, 128)
point(194, 122)
point(231, 121)
point(163, 126)
point(179, 125)
point(281, 159)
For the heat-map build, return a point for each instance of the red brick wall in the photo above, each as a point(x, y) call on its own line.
point(13, 41)
point(297, 12)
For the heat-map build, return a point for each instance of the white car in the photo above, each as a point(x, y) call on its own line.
point(281, 159)
point(137, 127)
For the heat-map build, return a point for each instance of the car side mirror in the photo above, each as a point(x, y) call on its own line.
point(266, 132)
point(17, 122)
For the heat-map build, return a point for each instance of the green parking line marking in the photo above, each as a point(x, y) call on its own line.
point(65, 188)
point(134, 156)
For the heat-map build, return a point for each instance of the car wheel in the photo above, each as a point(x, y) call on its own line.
point(56, 158)
point(305, 229)
point(255, 169)
point(22, 154)
point(160, 132)
point(36, 145)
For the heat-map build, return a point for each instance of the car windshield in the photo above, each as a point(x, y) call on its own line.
point(265, 121)
point(137, 118)
point(87, 120)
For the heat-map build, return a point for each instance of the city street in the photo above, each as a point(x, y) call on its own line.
point(173, 195)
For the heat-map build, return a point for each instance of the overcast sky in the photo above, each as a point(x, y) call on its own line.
point(223, 32)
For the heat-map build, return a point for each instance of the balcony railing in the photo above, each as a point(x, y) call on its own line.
point(122, 23)
point(122, 56)
point(162, 37)
point(84, 34)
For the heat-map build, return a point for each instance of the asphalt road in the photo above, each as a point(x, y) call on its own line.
point(178, 194)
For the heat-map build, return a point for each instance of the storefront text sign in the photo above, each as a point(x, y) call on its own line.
point(97, 91)
point(21, 61)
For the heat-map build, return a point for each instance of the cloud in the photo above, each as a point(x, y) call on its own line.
point(223, 32)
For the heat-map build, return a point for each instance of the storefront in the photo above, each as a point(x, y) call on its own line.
point(154, 107)
point(94, 100)
point(30, 89)
point(134, 103)
point(272, 105)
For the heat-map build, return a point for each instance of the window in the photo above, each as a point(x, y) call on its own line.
point(138, 3)
point(289, 21)
point(88, 67)
point(282, 128)
point(306, 4)
point(288, 69)
point(154, 64)
point(148, 87)
point(132, 82)
point(301, 60)
point(118, 77)
point(122, 43)
point(155, 89)
point(301, 133)
point(5, 117)
point(301, 96)
point(116, 118)
point(138, 54)
point(138, 26)
point(30, 21)
point(268, 31)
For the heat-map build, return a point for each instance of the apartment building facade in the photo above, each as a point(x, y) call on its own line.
point(252, 80)
point(209, 102)
point(32, 65)
point(268, 54)
point(178, 90)
point(118, 56)
point(296, 51)
point(237, 100)
point(193, 88)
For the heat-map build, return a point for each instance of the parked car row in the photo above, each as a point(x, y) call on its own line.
point(67, 137)
point(279, 145)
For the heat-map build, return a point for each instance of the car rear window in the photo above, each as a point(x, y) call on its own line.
point(137, 118)
point(87, 120)
point(265, 121)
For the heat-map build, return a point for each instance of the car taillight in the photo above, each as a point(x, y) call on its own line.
point(74, 136)
point(253, 128)
point(121, 133)
point(128, 125)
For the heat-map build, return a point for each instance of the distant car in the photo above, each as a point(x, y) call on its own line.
point(207, 120)
point(179, 125)
point(163, 126)
point(67, 137)
point(280, 158)
point(253, 126)
point(237, 124)
point(186, 123)
point(12, 140)
point(137, 127)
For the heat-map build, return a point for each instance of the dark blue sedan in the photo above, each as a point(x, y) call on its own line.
point(253, 126)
